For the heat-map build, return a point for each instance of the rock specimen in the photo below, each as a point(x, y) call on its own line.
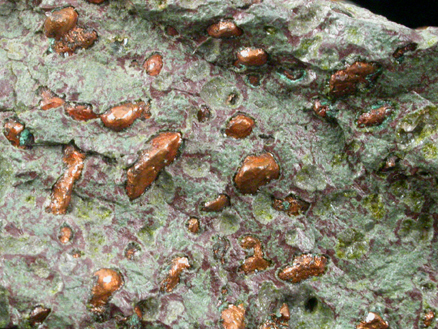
point(256, 171)
point(162, 152)
point(341, 101)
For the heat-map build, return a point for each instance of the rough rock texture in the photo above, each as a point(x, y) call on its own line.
point(305, 71)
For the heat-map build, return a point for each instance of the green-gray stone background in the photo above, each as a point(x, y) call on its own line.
point(378, 229)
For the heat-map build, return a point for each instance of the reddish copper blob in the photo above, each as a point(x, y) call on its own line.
point(373, 321)
point(284, 312)
point(108, 282)
point(218, 204)
point(320, 110)
point(400, 51)
point(204, 113)
point(252, 57)
point(224, 29)
point(153, 65)
point(59, 22)
point(38, 315)
point(303, 267)
point(428, 318)
point(255, 262)
point(49, 100)
point(65, 235)
point(123, 116)
point(345, 82)
point(75, 38)
point(256, 171)
point(193, 225)
point(12, 131)
point(62, 190)
point(233, 317)
point(374, 117)
point(291, 206)
point(240, 126)
point(81, 112)
point(278, 322)
point(162, 152)
point(179, 264)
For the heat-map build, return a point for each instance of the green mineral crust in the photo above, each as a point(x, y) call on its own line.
point(342, 100)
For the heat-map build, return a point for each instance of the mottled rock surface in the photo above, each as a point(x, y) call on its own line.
point(343, 101)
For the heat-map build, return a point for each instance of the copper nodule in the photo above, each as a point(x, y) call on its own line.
point(179, 264)
point(153, 65)
point(240, 126)
point(107, 283)
point(374, 117)
point(224, 29)
point(122, 116)
point(233, 317)
point(251, 57)
point(373, 321)
point(255, 262)
point(217, 204)
point(303, 267)
point(59, 22)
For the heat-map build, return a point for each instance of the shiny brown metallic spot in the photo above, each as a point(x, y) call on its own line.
point(290, 205)
point(284, 312)
point(193, 225)
point(38, 315)
point(251, 57)
point(320, 110)
point(12, 131)
point(65, 235)
point(346, 82)
point(233, 317)
point(81, 112)
point(107, 283)
point(59, 22)
point(224, 29)
point(179, 264)
point(278, 322)
point(428, 318)
point(75, 38)
point(63, 188)
point(162, 152)
point(400, 51)
point(240, 126)
point(217, 204)
point(153, 65)
point(374, 117)
point(256, 171)
point(255, 262)
point(303, 267)
point(204, 113)
point(373, 321)
point(49, 100)
point(122, 116)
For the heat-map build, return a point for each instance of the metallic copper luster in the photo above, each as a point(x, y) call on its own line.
point(256, 171)
point(428, 318)
point(81, 112)
point(122, 116)
point(75, 38)
point(179, 264)
point(107, 283)
point(153, 64)
point(374, 117)
point(38, 315)
point(319, 109)
point(251, 57)
point(400, 51)
point(193, 225)
point(303, 267)
point(161, 153)
point(204, 113)
point(373, 321)
point(224, 29)
point(12, 131)
point(65, 235)
point(255, 262)
point(49, 100)
point(291, 206)
point(240, 126)
point(59, 22)
point(345, 82)
point(233, 317)
point(284, 312)
point(62, 190)
point(217, 204)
